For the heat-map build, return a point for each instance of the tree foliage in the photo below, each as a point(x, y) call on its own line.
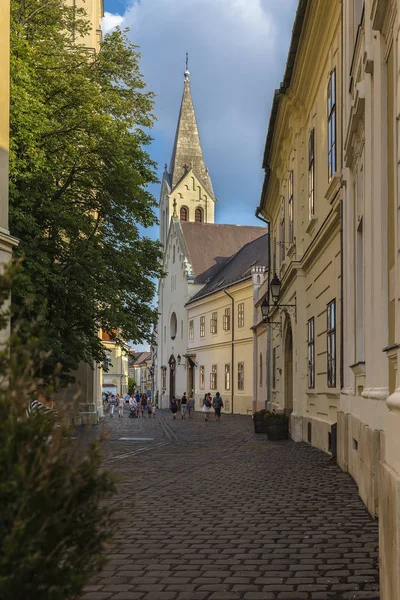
point(54, 496)
point(79, 173)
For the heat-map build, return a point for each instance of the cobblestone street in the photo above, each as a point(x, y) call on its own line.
point(210, 511)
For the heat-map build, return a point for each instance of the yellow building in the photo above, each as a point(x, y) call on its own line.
point(115, 375)
point(6, 241)
point(220, 337)
point(301, 200)
point(369, 412)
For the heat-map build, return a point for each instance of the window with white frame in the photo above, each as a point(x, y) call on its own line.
point(213, 377)
point(227, 319)
point(228, 376)
point(282, 232)
point(331, 343)
point(240, 375)
point(202, 327)
point(241, 314)
point(311, 174)
point(191, 329)
point(291, 208)
point(331, 106)
point(311, 352)
point(201, 377)
point(214, 322)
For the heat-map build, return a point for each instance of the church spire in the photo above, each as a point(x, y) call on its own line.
point(187, 152)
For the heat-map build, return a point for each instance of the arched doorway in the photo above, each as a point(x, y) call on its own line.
point(172, 369)
point(288, 370)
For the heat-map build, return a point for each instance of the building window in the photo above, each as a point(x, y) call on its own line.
point(291, 208)
point(173, 326)
point(202, 327)
point(228, 377)
point(311, 353)
point(198, 215)
point(241, 314)
point(214, 322)
point(213, 377)
point(282, 231)
point(183, 213)
point(240, 376)
point(201, 375)
point(181, 330)
point(331, 343)
point(165, 333)
point(173, 254)
point(274, 256)
point(227, 319)
point(163, 378)
point(191, 329)
point(332, 124)
point(261, 369)
point(311, 174)
point(274, 368)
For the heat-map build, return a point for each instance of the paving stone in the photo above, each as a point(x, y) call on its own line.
point(317, 535)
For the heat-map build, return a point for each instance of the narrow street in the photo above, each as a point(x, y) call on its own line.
point(210, 511)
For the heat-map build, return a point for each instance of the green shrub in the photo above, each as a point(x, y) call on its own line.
point(54, 519)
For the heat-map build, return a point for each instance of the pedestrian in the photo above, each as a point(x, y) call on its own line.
point(112, 405)
point(183, 405)
point(121, 403)
point(217, 404)
point(149, 408)
point(190, 405)
point(127, 396)
point(174, 406)
point(137, 397)
point(144, 404)
point(153, 410)
point(206, 406)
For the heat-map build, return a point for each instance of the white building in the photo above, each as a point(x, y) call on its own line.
point(195, 250)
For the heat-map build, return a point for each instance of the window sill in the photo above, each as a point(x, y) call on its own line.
point(333, 188)
point(358, 368)
point(291, 251)
point(311, 225)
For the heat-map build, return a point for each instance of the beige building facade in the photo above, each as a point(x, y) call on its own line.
point(301, 200)
point(369, 411)
point(7, 242)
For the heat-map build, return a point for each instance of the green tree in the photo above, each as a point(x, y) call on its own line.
point(131, 385)
point(79, 177)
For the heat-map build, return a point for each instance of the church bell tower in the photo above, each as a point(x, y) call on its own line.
point(186, 189)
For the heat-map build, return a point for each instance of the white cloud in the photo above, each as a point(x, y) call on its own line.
point(237, 52)
point(110, 21)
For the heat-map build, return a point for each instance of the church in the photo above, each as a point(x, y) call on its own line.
point(200, 254)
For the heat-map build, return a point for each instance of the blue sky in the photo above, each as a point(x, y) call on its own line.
point(237, 54)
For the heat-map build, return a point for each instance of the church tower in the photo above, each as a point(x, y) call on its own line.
point(186, 190)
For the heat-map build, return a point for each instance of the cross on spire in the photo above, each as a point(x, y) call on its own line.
point(187, 72)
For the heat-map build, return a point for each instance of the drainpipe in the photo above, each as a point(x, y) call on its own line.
point(233, 349)
point(269, 338)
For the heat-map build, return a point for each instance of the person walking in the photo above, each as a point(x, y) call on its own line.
point(153, 410)
point(217, 404)
point(206, 406)
point(121, 403)
point(183, 405)
point(190, 405)
point(112, 405)
point(174, 406)
point(144, 404)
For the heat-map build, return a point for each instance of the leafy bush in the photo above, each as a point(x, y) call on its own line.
point(264, 415)
point(54, 522)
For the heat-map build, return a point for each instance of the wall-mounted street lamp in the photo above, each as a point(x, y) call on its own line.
point(275, 287)
point(266, 318)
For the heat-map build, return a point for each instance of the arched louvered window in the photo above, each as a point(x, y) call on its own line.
point(198, 215)
point(183, 213)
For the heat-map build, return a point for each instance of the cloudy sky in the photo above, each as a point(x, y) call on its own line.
point(237, 53)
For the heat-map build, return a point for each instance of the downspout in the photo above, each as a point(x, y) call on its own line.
point(269, 339)
point(232, 349)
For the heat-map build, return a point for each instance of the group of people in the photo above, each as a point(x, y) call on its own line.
point(186, 406)
point(139, 404)
point(183, 405)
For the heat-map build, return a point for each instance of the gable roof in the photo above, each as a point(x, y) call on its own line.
point(238, 267)
point(187, 152)
point(210, 245)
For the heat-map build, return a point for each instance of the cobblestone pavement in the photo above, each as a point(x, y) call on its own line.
point(211, 511)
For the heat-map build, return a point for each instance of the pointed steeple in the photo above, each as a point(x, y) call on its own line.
point(187, 152)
